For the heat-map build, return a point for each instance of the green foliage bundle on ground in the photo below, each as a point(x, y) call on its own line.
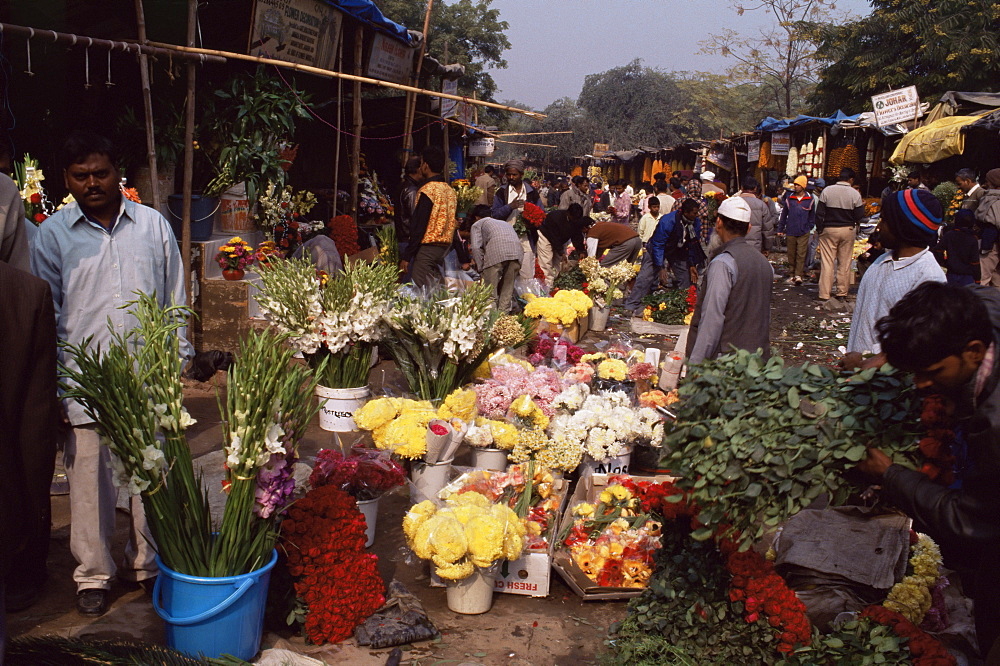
point(756, 442)
point(674, 306)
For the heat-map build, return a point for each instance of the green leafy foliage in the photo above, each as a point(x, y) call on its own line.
point(685, 616)
point(570, 279)
point(860, 642)
point(675, 306)
point(937, 46)
point(755, 442)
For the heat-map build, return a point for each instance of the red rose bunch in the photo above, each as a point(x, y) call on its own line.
point(35, 198)
point(925, 650)
point(763, 591)
point(344, 232)
point(692, 297)
point(533, 215)
point(935, 445)
point(324, 537)
point(365, 475)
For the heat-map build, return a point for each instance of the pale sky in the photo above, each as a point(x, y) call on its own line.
point(557, 43)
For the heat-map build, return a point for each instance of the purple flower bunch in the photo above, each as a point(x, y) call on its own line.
point(275, 485)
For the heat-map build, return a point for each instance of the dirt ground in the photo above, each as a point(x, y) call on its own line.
point(558, 629)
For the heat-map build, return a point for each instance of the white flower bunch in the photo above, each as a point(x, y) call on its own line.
point(605, 425)
point(480, 437)
point(604, 281)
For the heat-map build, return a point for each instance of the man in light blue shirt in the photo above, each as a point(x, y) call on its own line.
point(95, 253)
point(909, 224)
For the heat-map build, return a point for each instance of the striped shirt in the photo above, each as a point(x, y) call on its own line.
point(884, 284)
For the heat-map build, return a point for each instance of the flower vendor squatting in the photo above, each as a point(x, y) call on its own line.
point(96, 253)
point(948, 336)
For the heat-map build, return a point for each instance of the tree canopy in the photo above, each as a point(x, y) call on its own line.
point(937, 45)
point(473, 31)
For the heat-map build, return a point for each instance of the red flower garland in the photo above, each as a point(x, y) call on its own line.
point(692, 297)
point(935, 446)
point(925, 649)
point(761, 589)
point(324, 537)
point(344, 232)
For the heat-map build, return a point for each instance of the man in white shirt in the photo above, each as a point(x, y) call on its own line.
point(909, 224)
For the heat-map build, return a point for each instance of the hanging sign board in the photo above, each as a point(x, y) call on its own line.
point(299, 31)
point(448, 106)
point(389, 59)
point(897, 106)
point(600, 149)
point(753, 150)
point(781, 142)
point(481, 147)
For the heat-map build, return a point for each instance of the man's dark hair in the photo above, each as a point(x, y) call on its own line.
point(434, 156)
point(579, 179)
point(965, 219)
point(653, 201)
point(750, 184)
point(81, 144)
point(932, 322)
point(846, 173)
point(587, 221)
point(575, 211)
point(967, 174)
point(489, 168)
point(412, 165)
point(676, 183)
point(676, 174)
point(660, 175)
point(735, 226)
point(660, 187)
point(914, 174)
point(689, 205)
point(479, 211)
point(623, 183)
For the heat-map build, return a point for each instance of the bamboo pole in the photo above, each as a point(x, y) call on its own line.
point(147, 106)
point(359, 35)
point(309, 69)
point(188, 155)
point(411, 96)
point(532, 133)
point(126, 46)
point(445, 133)
point(340, 118)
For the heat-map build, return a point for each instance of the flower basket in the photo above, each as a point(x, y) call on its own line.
point(472, 595)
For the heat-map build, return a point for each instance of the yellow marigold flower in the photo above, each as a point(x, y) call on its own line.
point(460, 404)
point(415, 517)
point(485, 535)
point(605, 497)
point(446, 536)
point(458, 571)
point(513, 545)
point(470, 499)
point(584, 510)
point(612, 368)
point(376, 413)
point(620, 492)
point(590, 358)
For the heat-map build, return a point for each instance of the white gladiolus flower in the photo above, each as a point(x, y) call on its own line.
point(137, 484)
point(152, 458)
point(272, 443)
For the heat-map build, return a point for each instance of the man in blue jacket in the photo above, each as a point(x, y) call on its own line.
point(798, 216)
point(669, 243)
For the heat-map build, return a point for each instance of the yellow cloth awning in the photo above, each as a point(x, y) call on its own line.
point(933, 142)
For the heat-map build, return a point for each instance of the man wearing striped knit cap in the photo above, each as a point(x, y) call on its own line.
point(909, 224)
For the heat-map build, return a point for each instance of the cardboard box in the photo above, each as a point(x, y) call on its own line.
point(588, 488)
point(571, 332)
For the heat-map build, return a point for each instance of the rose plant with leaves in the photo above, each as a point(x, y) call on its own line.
point(755, 442)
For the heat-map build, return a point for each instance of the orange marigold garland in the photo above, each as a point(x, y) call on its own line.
point(324, 538)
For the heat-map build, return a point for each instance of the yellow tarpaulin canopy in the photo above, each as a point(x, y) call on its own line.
point(933, 142)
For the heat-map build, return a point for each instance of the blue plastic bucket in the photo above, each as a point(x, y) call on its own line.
point(202, 215)
point(213, 616)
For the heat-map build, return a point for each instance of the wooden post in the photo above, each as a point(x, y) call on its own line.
point(147, 105)
point(359, 35)
point(188, 155)
point(340, 119)
point(447, 153)
point(411, 98)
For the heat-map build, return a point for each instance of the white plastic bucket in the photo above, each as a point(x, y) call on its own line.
point(337, 407)
point(369, 509)
point(472, 595)
point(616, 465)
point(494, 459)
point(599, 318)
point(428, 480)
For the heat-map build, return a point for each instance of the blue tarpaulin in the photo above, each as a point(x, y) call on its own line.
point(770, 124)
point(366, 11)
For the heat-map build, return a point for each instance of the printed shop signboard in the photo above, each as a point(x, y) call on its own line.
point(300, 31)
point(780, 143)
point(390, 60)
point(481, 147)
point(897, 106)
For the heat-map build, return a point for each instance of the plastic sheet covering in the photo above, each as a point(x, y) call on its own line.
point(933, 142)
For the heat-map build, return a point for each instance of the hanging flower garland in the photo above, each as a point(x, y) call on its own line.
point(936, 443)
point(324, 538)
point(912, 596)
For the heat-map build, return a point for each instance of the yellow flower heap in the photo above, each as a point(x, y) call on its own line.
point(578, 300)
point(564, 308)
point(468, 531)
point(911, 597)
point(397, 424)
point(612, 368)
